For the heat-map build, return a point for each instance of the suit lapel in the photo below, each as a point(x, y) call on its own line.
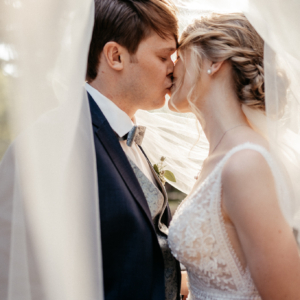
point(112, 145)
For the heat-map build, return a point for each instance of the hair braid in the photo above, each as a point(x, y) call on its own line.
point(248, 73)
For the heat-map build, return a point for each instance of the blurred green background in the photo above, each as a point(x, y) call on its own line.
point(175, 197)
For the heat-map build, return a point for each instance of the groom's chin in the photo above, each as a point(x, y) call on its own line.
point(159, 103)
point(162, 102)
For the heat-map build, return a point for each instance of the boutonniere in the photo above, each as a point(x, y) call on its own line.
point(163, 174)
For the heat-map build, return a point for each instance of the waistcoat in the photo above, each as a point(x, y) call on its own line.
point(157, 202)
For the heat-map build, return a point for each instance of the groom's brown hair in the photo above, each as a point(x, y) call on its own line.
point(128, 22)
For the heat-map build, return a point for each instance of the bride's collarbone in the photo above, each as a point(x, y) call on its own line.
point(210, 164)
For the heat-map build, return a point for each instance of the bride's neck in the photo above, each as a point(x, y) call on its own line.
point(220, 111)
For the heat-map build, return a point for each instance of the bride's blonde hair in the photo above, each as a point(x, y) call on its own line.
point(230, 37)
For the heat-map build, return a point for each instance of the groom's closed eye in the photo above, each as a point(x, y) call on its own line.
point(165, 56)
point(166, 53)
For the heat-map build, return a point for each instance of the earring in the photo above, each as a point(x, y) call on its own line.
point(209, 71)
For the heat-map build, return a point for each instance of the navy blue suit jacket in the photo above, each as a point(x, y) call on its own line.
point(133, 266)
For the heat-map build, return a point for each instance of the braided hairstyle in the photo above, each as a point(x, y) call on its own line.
point(231, 37)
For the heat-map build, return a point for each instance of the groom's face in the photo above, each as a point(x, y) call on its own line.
point(149, 72)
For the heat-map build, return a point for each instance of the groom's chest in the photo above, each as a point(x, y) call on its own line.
point(135, 155)
point(122, 191)
point(154, 196)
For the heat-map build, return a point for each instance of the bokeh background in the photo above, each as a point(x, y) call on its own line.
point(175, 197)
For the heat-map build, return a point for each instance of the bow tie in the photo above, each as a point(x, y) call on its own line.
point(136, 134)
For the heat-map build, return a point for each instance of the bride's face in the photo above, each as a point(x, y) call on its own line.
point(182, 83)
point(189, 82)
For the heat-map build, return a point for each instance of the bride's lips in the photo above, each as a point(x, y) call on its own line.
point(170, 87)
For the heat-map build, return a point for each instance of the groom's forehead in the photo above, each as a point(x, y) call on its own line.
point(165, 50)
point(157, 43)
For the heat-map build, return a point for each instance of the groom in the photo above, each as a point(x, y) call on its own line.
point(130, 68)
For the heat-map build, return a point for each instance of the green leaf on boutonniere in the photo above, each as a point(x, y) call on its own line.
point(169, 175)
point(155, 167)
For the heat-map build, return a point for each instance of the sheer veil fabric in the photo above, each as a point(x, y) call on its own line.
point(278, 24)
point(49, 214)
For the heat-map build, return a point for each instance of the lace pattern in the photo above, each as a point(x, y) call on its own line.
point(205, 293)
point(199, 240)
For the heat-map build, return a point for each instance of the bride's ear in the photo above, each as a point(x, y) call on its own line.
point(113, 53)
point(215, 67)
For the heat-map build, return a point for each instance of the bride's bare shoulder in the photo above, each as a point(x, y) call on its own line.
point(244, 164)
point(247, 175)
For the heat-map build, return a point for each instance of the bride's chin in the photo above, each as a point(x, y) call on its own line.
point(179, 107)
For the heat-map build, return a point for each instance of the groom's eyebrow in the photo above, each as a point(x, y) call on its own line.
point(169, 49)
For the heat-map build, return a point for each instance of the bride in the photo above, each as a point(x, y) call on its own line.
point(230, 232)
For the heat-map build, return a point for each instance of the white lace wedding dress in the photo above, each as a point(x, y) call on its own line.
point(199, 240)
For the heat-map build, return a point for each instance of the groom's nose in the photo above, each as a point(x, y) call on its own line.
point(170, 68)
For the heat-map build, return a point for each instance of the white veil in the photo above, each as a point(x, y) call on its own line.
point(49, 213)
point(278, 23)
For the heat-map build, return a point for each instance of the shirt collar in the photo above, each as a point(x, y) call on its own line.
point(119, 121)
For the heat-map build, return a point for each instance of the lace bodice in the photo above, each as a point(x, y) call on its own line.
point(199, 240)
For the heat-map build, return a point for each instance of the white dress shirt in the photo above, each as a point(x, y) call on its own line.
point(121, 123)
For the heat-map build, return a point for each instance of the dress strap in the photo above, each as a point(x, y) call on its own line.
point(248, 146)
point(281, 182)
point(238, 274)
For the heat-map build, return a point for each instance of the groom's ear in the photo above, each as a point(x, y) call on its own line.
point(114, 53)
